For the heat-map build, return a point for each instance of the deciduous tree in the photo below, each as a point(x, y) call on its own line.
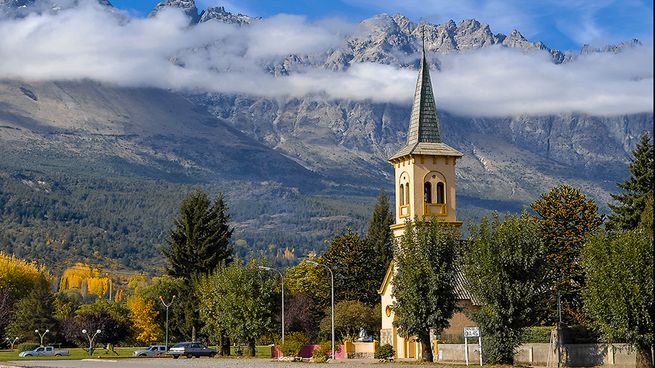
point(632, 201)
point(143, 315)
point(565, 218)
point(424, 284)
point(350, 316)
point(239, 300)
point(505, 271)
point(618, 295)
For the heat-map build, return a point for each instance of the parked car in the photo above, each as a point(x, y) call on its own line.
point(151, 351)
point(43, 351)
point(190, 350)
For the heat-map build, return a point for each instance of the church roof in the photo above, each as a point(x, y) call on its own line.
point(424, 137)
point(461, 292)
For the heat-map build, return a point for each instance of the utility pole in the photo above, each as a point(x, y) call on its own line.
point(167, 305)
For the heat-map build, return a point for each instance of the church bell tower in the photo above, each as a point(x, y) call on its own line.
point(425, 166)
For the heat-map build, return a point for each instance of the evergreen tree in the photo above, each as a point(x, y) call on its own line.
point(200, 239)
point(351, 259)
point(632, 201)
point(379, 237)
point(424, 283)
point(34, 312)
point(199, 242)
point(504, 269)
point(565, 218)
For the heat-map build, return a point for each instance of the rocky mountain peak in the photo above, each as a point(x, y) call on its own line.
point(188, 6)
point(615, 48)
point(220, 14)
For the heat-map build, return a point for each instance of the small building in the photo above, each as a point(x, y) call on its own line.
point(425, 189)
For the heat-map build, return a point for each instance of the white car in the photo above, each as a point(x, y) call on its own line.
point(43, 351)
point(151, 351)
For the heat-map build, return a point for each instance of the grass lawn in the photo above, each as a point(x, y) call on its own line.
point(79, 353)
point(75, 353)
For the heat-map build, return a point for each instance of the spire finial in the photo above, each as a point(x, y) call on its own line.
point(423, 37)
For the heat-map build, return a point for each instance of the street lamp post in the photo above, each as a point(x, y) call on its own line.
point(282, 279)
point(41, 335)
point(167, 305)
point(332, 295)
point(91, 338)
point(12, 342)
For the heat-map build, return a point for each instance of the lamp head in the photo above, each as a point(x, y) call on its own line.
point(174, 296)
point(98, 331)
point(264, 268)
point(46, 331)
point(84, 331)
point(37, 331)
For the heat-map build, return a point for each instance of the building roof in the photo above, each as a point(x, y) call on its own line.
point(424, 137)
point(460, 285)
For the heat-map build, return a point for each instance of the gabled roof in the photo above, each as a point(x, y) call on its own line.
point(387, 278)
point(460, 285)
point(424, 136)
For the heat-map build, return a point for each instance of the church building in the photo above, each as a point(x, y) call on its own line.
point(425, 189)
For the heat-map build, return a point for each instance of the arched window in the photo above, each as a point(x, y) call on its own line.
point(440, 193)
point(407, 193)
point(427, 192)
point(401, 194)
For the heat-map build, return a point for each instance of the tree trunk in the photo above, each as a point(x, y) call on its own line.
point(644, 357)
point(252, 348)
point(427, 347)
point(193, 333)
point(225, 345)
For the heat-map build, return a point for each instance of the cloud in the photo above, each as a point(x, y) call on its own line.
point(89, 42)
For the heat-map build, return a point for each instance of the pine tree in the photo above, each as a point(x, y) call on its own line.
point(350, 258)
point(34, 312)
point(565, 217)
point(200, 240)
point(631, 203)
point(379, 236)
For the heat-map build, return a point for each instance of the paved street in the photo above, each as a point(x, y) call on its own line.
point(186, 363)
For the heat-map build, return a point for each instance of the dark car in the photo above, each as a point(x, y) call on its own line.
point(190, 350)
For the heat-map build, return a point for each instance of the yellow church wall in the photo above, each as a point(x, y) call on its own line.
point(416, 169)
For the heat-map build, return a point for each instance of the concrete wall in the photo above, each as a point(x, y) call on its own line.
point(573, 355)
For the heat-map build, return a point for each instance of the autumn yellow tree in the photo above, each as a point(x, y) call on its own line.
point(143, 316)
point(19, 276)
point(85, 278)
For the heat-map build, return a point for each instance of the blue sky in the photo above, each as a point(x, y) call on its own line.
point(563, 24)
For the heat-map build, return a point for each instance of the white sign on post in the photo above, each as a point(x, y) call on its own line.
point(472, 332)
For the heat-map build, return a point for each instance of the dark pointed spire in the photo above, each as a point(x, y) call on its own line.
point(424, 122)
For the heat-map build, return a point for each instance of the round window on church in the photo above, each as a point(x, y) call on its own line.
point(388, 311)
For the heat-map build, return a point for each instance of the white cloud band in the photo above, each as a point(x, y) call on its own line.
point(90, 43)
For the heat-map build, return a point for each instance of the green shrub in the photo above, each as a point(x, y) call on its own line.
point(320, 355)
point(384, 352)
point(27, 346)
point(537, 334)
point(293, 342)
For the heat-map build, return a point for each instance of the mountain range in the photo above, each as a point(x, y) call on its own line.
point(101, 169)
